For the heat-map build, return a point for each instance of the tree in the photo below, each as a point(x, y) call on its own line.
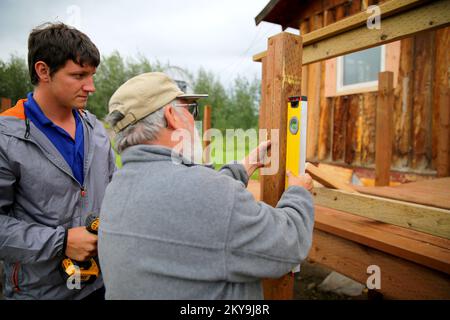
point(244, 104)
point(111, 74)
point(206, 82)
point(14, 79)
point(232, 108)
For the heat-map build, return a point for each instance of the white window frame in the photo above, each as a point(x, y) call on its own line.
point(362, 85)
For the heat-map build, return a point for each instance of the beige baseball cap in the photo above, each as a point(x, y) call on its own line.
point(143, 95)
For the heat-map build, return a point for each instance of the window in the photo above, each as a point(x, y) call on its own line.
point(360, 69)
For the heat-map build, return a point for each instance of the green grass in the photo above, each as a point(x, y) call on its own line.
point(230, 153)
point(118, 159)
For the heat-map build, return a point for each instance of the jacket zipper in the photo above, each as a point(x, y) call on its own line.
point(15, 277)
point(66, 172)
point(83, 191)
point(27, 138)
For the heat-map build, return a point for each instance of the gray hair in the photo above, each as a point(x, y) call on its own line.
point(146, 129)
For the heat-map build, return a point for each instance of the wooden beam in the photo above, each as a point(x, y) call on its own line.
point(340, 119)
point(384, 128)
point(442, 101)
point(313, 93)
point(326, 179)
point(352, 129)
point(326, 108)
point(258, 57)
point(404, 104)
point(373, 234)
point(351, 34)
point(430, 16)
point(283, 79)
point(432, 192)
point(400, 279)
point(422, 218)
point(304, 29)
point(360, 19)
point(279, 289)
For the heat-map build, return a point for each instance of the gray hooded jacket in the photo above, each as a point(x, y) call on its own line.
point(40, 199)
point(180, 231)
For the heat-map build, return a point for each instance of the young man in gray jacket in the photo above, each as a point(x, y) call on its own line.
point(172, 229)
point(55, 164)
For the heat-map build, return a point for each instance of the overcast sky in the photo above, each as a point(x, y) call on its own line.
point(219, 35)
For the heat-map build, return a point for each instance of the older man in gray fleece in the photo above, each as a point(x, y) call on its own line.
point(173, 229)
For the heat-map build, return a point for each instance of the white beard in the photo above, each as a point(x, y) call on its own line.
point(193, 151)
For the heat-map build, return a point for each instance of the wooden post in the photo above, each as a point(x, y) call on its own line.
point(315, 89)
point(325, 118)
point(282, 80)
point(384, 128)
point(263, 117)
point(5, 103)
point(206, 127)
point(262, 114)
point(442, 102)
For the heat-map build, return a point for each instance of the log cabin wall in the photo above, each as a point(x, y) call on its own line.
point(341, 127)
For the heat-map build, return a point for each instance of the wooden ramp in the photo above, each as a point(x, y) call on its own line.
point(414, 265)
point(434, 193)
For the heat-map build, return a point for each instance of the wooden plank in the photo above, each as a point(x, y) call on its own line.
point(340, 116)
point(304, 29)
point(325, 125)
point(344, 174)
point(364, 4)
point(314, 92)
point(253, 187)
point(400, 279)
point(430, 16)
point(354, 21)
point(283, 80)
point(340, 14)
point(432, 193)
point(434, 221)
point(279, 289)
point(323, 177)
point(422, 118)
point(5, 103)
point(368, 128)
point(206, 127)
point(441, 102)
point(404, 105)
point(288, 13)
point(325, 129)
point(384, 128)
point(258, 57)
point(401, 12)
point(373, 234)
point(352, 129)
point(354, 8)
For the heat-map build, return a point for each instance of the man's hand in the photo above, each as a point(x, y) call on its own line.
point(256, 158)
point(304, 181)
point(81, 244)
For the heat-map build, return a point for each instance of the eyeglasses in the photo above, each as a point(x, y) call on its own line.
point(192, 108)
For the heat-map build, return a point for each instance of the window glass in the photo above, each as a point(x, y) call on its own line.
point(362, 66)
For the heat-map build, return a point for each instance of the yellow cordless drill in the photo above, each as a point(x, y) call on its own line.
point(89, 270)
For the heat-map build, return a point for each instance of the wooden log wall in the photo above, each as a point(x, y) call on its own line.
point(341, 129)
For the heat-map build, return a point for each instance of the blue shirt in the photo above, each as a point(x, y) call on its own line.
point(71, 150)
